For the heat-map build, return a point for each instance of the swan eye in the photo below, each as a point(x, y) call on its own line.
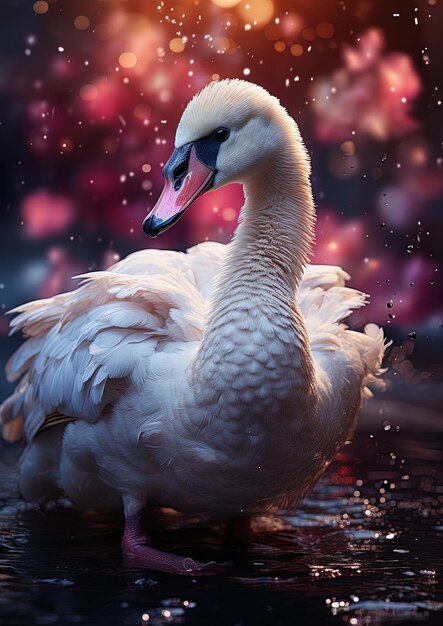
point(221, 134)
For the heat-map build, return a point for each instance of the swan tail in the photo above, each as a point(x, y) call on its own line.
point(326, 303)
point(34, 320)
point(371, 346)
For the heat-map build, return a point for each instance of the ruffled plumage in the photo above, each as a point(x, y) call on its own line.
point(80, 344)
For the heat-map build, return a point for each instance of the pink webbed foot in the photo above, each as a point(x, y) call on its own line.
point(136, 547)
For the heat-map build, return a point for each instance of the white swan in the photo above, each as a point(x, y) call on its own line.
point(219, 382)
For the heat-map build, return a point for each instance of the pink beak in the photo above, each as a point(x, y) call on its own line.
point(178, 194)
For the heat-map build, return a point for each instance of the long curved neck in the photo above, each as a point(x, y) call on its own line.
point(255, 338)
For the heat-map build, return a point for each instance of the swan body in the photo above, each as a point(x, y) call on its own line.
point(219, 382)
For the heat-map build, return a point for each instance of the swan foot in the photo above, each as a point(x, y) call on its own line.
point(136, 547)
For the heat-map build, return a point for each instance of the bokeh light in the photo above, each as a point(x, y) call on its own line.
point(226, 3)
point(82, 22)
point(92, 93)
point(177, 44)
point(127, 60)
point(40, 7)
point(257, 12)
point(296, 49)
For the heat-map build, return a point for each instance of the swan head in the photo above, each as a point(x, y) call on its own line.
point(230, 131)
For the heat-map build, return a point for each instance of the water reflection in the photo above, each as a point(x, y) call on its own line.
point(363, 548)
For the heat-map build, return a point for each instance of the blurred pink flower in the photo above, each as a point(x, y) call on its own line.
point(370, 95)
point(102, 100)
point(46, 214)
point(337, 241)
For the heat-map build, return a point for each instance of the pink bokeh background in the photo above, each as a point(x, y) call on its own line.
point(92, 92)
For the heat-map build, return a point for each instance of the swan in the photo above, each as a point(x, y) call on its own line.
point(219, 382)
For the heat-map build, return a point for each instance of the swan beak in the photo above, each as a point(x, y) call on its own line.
point(179, 192)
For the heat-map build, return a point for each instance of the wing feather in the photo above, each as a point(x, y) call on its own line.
point(79, 344)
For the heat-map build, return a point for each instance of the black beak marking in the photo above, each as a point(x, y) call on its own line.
point(178, 161)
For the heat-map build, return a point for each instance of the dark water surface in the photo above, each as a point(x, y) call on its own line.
point(364, 548)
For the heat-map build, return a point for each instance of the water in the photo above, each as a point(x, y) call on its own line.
point(363, 548)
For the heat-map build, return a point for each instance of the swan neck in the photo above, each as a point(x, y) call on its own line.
point(255, 341)
point(277, 221)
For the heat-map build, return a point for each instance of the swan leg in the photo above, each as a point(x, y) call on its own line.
point(238, 532)
point(136, 546)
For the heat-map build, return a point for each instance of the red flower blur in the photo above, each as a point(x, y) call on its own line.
point(46, 214)
point(370, 95)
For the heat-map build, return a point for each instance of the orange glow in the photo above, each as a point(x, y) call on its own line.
point(418, 155)
point(296, 50)
point(223, 45)
point(226, 3)
point(176, 45)
point(257, 12)
point(280, 46)
point(40, 7)
point(348, 148)
point(66, 145)
point(81, 22)
point(127, 60)
point(325, 30)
